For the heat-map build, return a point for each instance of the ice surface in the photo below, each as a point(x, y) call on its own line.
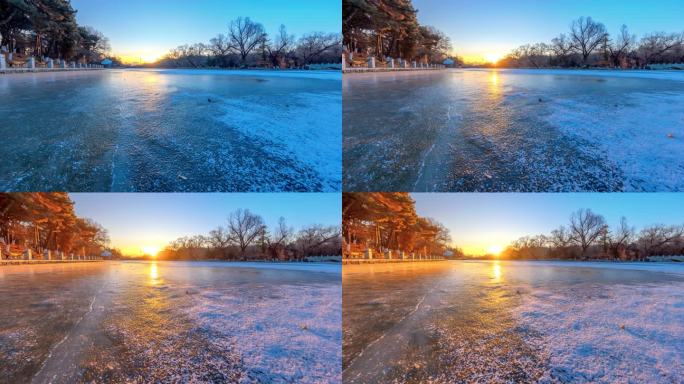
point(514, 130)
point(621, 333)
point(170, 322)
point(502, 322)
point(176, 130)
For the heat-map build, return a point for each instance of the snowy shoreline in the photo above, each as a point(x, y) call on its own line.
point(660, 74)
point(665, 267)
point(334, 268)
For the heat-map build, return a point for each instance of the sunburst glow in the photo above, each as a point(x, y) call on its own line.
point(150, 250)
point(495, 249)
point(492, 58)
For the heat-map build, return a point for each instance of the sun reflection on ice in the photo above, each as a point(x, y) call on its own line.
point(496, 271)
point(154, 273)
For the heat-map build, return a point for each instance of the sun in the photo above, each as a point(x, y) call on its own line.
point(149, 57)
point(492, 57)
point(150, 250)
point(494, 250)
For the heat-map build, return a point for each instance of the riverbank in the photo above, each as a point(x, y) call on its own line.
point(385, 261)
point(365, 70)
point(9, 71)
point(23, 262)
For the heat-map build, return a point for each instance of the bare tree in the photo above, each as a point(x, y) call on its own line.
point(561, 240)
point(653, 46)
point(280, 45)
point(621, 46)
point(220, 239)
point(562, 48)
point(585, 228)
point(586, 35)
point(655, 238)
point(314, 44)
point(621, 237)
point(282, 235)
point(220, 47)
point(244, 227)
point(245, 35)
point(314, 236)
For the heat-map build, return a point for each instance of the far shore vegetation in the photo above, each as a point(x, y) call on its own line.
point(390, 29)
point(388, 221)
point(245, 237)
point(48, 29)
point(46, 221)
point(589, 44)
point(246, 44)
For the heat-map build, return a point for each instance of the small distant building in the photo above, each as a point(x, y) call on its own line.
point(449, 63)
point(106, 255)
point(106, 63)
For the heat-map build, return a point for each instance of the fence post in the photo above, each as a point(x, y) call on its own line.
point(390, 62)
point(344, 62)
point(47, 255)
point(368, 254)
point(28, 255)
point(0, 253)
point(51, 64)
point(3, 64)
point(371, 62)
point(32, 63)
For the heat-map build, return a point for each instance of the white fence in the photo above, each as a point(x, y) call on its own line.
point(392, 65)
point(27, 255)
point(50, 65)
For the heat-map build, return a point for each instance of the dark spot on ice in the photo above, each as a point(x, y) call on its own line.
point(540, 100)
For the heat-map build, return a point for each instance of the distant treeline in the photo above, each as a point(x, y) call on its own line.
point(246, 237)
point(588, 44)
point(587, 236)
point(246, 44)
point(390, 28)
point(389, 222)
point(48, 28)
point(47, 221)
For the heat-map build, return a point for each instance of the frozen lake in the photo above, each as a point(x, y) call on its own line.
point(503, 321)
point(171, 130)
point(514, 130)
point(139, 322)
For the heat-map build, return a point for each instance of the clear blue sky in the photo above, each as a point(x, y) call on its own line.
point(496, 26)
point(151, 27)
point(135, 220)
point(478, 221)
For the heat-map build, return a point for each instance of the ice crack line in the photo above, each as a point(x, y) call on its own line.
point(90, 309)
point(414, 310)
point(422, 166)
